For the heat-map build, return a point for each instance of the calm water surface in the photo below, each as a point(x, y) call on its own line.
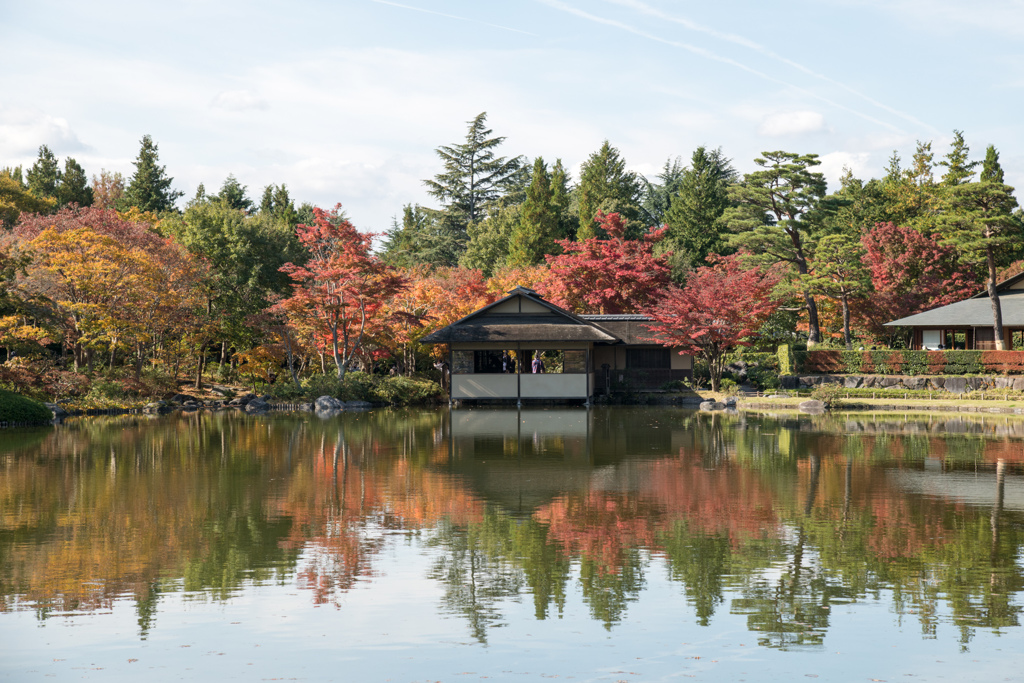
point(434, 545)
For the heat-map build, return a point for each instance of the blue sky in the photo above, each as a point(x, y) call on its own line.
point(345, 101)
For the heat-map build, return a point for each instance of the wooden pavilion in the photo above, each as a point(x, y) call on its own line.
point(522, 347)
point(968, 324)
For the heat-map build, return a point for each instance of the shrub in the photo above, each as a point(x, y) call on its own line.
point(764, 378)
point(105, 390)
point(20, 409)
point(829, 394)
point(406, 390)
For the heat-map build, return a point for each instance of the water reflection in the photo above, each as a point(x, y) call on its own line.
point(777, 518)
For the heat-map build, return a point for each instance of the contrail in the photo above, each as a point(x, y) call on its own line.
point(707, 54)
point(744, 42)
point(453, 16)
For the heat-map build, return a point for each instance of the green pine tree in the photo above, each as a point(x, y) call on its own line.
point(606, 185)
point(693, 217)
point(959, 169)
point(838, 273)
point(473, 177)
point(44, 177)
point(150, 186)
point(233, 193)
point(991, 171)
point(978, 219)
point(74, 185)
point(777, 211)
point(560, 200)
point(537, 230)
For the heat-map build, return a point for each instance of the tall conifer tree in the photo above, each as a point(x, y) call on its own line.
point(44, 177)
point(74, 185)
point(606, 185)
point(535, 235)
point(773, 216)
point(959, 168)
point(693, 218)
point(150, 186)
point(473, 176)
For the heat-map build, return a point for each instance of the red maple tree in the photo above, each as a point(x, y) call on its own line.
point(718, 308)
point(342, 285)
point(613, 275)
point(910, 273)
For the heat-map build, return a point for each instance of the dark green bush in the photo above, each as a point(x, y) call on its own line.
point(19, 409)
point(763, 378)
point(406, 390)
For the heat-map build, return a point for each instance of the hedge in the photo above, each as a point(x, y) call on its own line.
point(904, 362)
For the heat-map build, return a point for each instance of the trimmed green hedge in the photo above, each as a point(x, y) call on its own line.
point(21, 410)
point(905, 362)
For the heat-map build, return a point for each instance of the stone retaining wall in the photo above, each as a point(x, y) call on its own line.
point(954, 385)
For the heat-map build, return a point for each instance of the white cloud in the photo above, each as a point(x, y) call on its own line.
point(22, 131)
point(238, 100)
point(792, 123)
point(833, 164)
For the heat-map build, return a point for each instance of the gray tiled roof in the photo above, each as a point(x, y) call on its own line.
point(975, 312)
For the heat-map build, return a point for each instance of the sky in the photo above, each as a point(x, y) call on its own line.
point(347, 100)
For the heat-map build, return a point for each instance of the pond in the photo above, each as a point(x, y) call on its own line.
point(610, 544)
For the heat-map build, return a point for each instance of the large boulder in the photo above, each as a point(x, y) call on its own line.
point(326, 404)
point(257, 405)
point(812, 406)
point(1018, 383)
point(852, 381)
point(180, 399)
point(58, 411)
point(709, 406)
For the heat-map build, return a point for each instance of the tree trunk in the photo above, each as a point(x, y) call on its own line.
point(997, 311)
point(337, 356)
point(847, 337)
point(200, 366)
point(291, 360)
point(813, 328)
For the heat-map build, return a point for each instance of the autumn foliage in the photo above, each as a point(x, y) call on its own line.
point(614, 275)
point(342, 285)
point(910, 273)
point(718, 309)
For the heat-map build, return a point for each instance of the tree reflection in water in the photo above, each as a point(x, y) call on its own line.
point(779, 519)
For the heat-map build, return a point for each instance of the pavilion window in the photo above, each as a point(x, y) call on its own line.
point(649, 359)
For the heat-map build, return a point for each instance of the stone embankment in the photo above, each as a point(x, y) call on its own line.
point(954, 385)
point(249, 403)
